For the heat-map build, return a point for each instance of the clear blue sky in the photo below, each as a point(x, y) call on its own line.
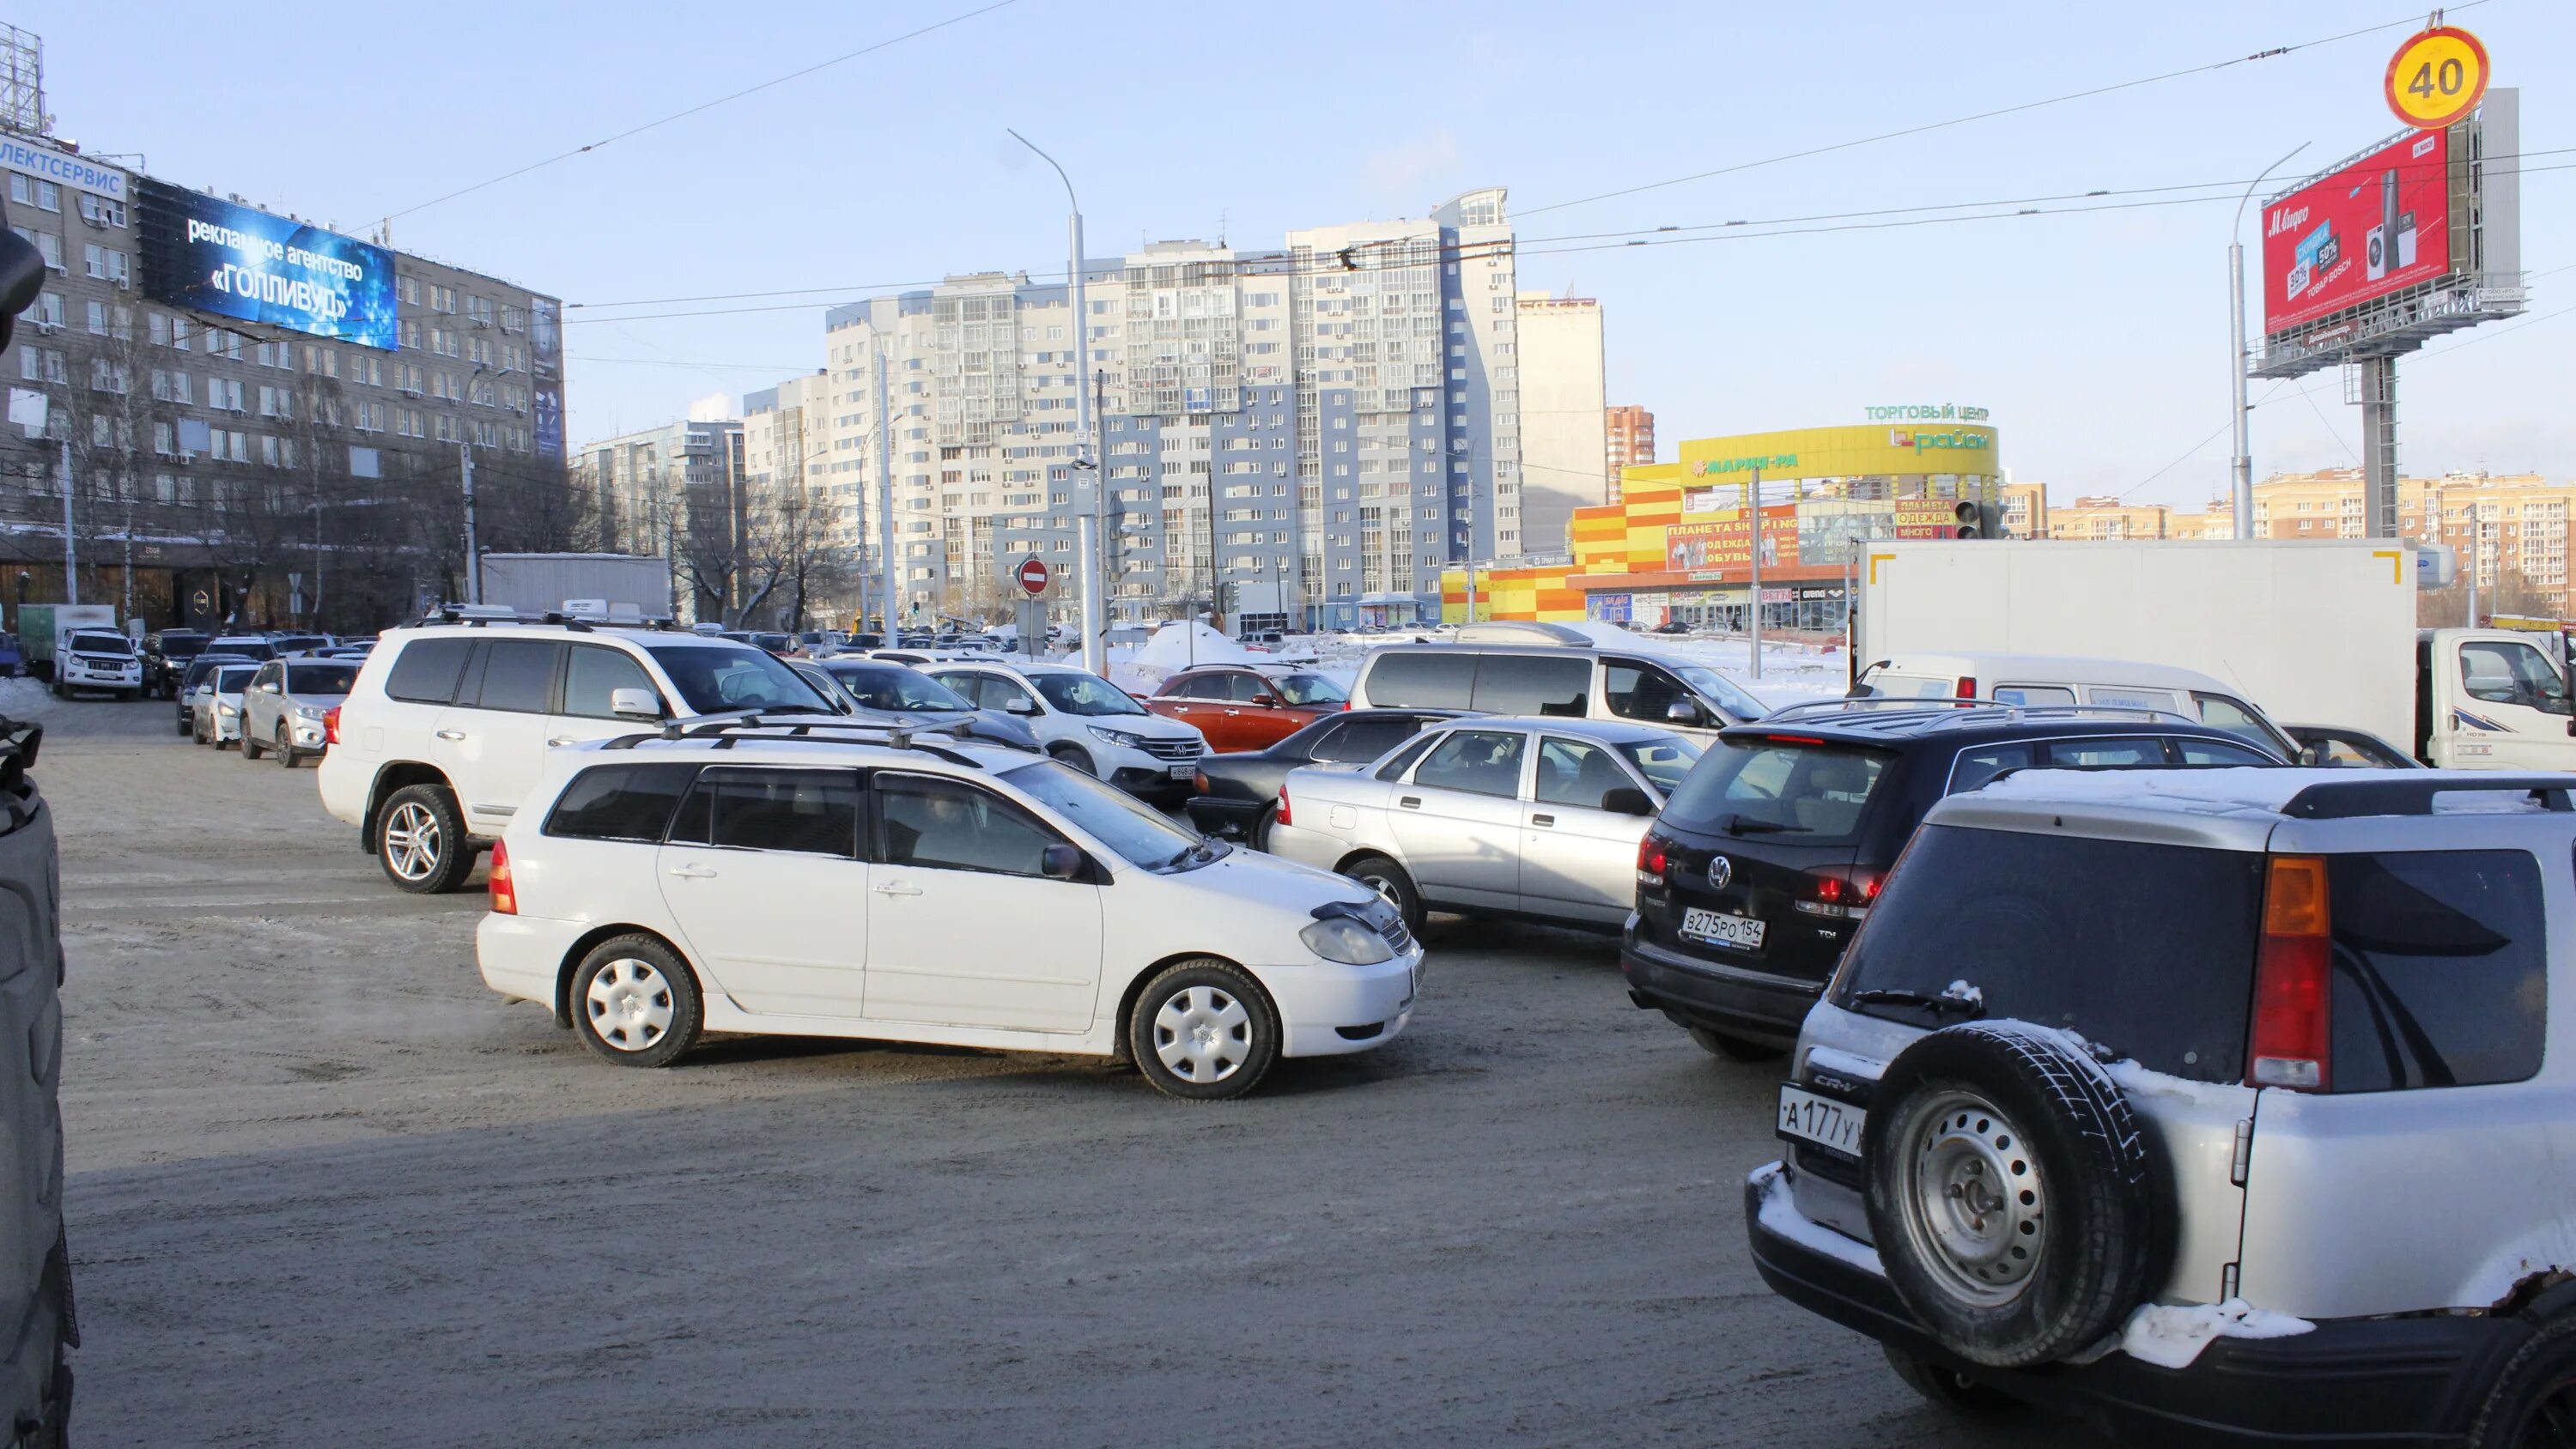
point(2098, 341)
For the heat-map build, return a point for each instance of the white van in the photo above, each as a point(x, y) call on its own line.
point(2061, 679)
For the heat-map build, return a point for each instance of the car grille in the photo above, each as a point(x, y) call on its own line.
point(95, 661)
point(1396, 936)
point(1175, 749)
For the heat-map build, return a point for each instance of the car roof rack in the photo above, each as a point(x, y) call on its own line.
point(1959, 713)
point(727, 730)
point(2349, 799)
point(480, 615)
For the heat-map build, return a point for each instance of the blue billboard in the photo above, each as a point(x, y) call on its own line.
point(211, 255)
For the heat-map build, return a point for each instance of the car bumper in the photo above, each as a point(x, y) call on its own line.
point(1753, 1004)
point(1213, 816)
point(1306, 847)
point(1155, 781)
point(1330, 1010)
point(222, 728)
point(343, 781)
point(519, 955)
point(2377, 1381)
point(76, 678)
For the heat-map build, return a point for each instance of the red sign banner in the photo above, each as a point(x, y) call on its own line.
point(2379, 225)
point(1724, 540)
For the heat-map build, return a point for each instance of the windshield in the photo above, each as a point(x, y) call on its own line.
point(101, 644)
point(246, 648)
point(1113, 817)
point(1084, 694)
point(1308, 689)
point(893, 687)
point(1778, 786)
point(713, 680)
point(320, 678)
point(1665, 762)
point(231, 679)
point(772, 642)
point(182, 646)
point(1718, 689)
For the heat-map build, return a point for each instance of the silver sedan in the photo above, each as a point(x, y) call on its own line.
point(286, 708)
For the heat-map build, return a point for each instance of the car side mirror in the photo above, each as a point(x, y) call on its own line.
point(1060, 862)
point(1684, 712)
point(1020, 704)
point(631, 703)
point(1627, 800)
point(1266, 701)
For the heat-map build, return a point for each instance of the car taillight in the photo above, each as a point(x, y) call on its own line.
point(1283, 807)
point(2289, 1044)
point(1839, 891)
point(1654, 857)
point(505, 892)
point(1967, 687)
point(331, 725)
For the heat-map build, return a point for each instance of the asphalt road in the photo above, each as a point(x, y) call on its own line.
point(326, 1189)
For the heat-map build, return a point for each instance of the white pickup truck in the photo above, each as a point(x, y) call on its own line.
point(2315, 632)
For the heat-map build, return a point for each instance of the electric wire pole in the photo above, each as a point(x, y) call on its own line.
point(473, 559)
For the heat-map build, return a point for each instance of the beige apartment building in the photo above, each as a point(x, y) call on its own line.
point(1563, 419)
point(2101, 516)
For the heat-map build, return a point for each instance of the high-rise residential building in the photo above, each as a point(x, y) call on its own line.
point(1628, 437)
point(678, 490)
point(1563, 416)
point(1307, 433)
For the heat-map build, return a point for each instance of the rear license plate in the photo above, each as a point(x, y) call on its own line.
point(1834, 1126)
point(1184, 772)
point(1717, 928)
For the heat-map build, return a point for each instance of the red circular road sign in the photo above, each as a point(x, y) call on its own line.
point(1032, 574)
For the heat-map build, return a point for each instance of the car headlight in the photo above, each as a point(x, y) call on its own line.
point(1121, 738)
point(1339, 938)
point(226, 710)
point(309, 712)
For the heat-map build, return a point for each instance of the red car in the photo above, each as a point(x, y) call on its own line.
point(1243, 707)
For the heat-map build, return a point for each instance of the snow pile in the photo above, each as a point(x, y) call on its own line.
point(1962, 991)
point(1779, 1213)
point(2172, 1336)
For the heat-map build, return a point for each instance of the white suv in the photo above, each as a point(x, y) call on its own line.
point(1085, 721)
point(2228, 1106)
point(447, 726)
point(99, 659)
point(832, 879)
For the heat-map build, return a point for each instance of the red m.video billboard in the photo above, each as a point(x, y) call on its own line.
point(2377, 226)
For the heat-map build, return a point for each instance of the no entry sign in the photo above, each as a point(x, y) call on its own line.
point(1032, 575)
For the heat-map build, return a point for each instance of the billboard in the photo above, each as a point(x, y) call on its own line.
point(2379, 225)
point(545, 363)
point(209, 255)
point(1726, 542)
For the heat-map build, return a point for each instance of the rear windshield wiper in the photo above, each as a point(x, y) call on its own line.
point(1938, 1005)
point(1738, 825)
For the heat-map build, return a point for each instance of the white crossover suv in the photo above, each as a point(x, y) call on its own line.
point(836, 879)
point(2224, 1106)
point(446, 727)
point(1085, 721)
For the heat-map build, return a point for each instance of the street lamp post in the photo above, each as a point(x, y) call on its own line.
point(1088, 521)
point(2243, 464)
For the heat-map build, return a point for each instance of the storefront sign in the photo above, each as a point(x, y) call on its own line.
point(1935, 442)
point(1726, 543)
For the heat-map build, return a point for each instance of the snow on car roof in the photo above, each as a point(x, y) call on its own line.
point(2233, 791)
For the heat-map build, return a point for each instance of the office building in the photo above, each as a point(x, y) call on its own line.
point(1563, 416)
point(1301, 434)
point(1628, 437)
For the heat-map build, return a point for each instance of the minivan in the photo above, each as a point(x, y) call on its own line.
point(1565, 681)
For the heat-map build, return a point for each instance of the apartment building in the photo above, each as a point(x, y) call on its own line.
point(678, 491)
point(1628, 437)
point(2102, 517)
point(2025, 509)
point(1308, 433)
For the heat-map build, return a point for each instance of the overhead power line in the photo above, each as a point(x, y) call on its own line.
point(1930, 126)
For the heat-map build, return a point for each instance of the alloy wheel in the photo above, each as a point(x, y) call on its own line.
point(629, 1004)
point(414, 844)
point(1202, 1034)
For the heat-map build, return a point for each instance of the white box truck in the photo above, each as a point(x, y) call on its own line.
point(587, 585)
point(2317, 632)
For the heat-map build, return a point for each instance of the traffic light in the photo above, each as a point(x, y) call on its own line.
point(1990, 520)
point(1964, 521)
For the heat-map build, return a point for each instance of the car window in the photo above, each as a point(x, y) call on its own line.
point(2121, 696)
point(1974, 768)
point(713, 680)
point(2440, 968)
point(1363, 739)
point(1394, 768)
point(1140, 834)
point(2349, 752)
point(2108, 753)
point(320, 678)
point(893, 687)
point(2211, 752)
point(950, 825)
point(1422, 679)
point(1579, 773)
point(1533, 684)
point(2237, 718)
point(1812, 790)
point(1308, 691)
point(1200, 686)
point(1641, 691)
point(2511, 672)
point(101, 644)
point(1882, 685)
point(595, 674)
point(518, 674)
point(620, 802)
point(233, 678)
point(1479, 762)
point(267, 676)
point(425, 672)
point(811, 812)
point(2076, 933)
point(1666, 762)
point(2033, 694)
point(1085, 694)
point(1244, 688)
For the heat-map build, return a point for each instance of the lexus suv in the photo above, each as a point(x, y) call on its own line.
point(2221, 1106)
point(1766, 859)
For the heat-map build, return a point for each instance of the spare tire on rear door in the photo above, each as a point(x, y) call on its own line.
point(2014, 1198)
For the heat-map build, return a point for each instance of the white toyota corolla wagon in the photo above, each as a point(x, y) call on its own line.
point(833, 879)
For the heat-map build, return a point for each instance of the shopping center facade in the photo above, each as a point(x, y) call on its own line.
point(1678, 545)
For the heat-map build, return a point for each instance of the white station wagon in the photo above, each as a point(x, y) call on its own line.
point(845, 880)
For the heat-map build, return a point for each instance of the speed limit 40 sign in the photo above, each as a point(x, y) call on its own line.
point(2436, 77)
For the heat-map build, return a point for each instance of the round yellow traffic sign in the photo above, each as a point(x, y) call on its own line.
point(2437, 77)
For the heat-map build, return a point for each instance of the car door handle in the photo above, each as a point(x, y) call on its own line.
point(896, 888)
point(559, 741)
point(693, 872)
point(1410, 802)
point(451, 734)
point(1542, 820)
point(1234, 711)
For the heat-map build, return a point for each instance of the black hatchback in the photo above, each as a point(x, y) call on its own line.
point(1764, 862)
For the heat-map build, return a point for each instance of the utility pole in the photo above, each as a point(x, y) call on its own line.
point(1110, 545)
point(1091, 521)
point(1753, 605)
point(473, 558)
point(2243, 464)
point(71, 549)
point(885, 492)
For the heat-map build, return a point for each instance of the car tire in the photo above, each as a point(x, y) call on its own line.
point(421, 842)
point(635, 1002)
point(2013, 1196)
point(1258, 837)
point(251, 748)
point(1949, 1389)
point(1075, 756)
point(2534, 1398)
point(187, 729)
point(1392, 885)
point(285, 747)
point(1734, 1048)
point(1203, 1031)
point(197, 730)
